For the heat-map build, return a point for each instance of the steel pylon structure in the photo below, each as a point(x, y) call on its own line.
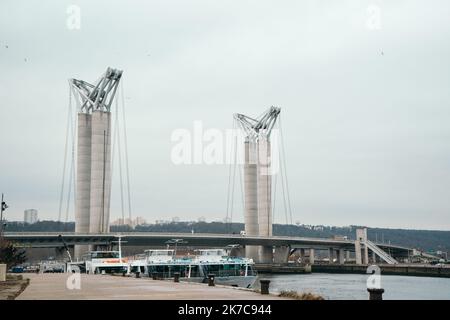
point(258, 179)
point(93, 175)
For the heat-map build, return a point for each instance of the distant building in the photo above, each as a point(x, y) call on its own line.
point(140, 221)
point(30, 216)
point(175, 219)
point(161, 222)
point(132, 223)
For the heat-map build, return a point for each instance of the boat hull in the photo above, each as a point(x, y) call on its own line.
point(234, 281)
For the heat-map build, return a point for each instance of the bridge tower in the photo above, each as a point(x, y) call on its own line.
point(93, 178)
point(258, 180)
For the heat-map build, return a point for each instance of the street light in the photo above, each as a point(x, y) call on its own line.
point(3, 208)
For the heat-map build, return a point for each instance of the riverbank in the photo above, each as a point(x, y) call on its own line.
point(399, 270)
point(281, 268)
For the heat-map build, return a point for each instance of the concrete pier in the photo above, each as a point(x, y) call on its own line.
point(302, 255)
point(358, 257)
point(341, 257)
point(363, 250)
point(281, 254)
point(311, 256)
point(331, 255)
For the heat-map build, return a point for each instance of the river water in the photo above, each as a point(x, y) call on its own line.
point(353, 286)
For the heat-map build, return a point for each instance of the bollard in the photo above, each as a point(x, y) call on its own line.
point(176, 277)
point(211, 279)
point(264, 286)
point(154, 277)
point(138, 274)
point(124, 273)
point(375, 293)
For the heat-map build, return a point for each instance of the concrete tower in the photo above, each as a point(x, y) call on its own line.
point(251, 195)
point(93, 179)
point(258, 180)
point(100, 172)
point(264, 197)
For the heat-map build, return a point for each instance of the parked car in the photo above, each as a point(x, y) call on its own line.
point(17, 269)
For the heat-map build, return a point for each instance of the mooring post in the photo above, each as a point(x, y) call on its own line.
point(264, 286)
point(211, 279)
point(176, 277)
point(375, 293)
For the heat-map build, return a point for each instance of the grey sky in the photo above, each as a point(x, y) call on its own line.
point(365, 112)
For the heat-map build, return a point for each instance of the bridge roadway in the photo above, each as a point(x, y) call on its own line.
point(154, 239)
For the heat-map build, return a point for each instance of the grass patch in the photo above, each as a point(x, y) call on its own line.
point(14, 277)
point(12, 288)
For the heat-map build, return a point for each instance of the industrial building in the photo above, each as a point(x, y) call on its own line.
point(30, 216)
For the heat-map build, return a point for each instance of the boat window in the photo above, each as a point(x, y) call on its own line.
point(160, 253)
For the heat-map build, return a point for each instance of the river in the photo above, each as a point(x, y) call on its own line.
point(353, 286)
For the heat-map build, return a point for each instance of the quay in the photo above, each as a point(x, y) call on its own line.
point(52, 286)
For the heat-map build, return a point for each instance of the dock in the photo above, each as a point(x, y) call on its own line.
point(52, 286)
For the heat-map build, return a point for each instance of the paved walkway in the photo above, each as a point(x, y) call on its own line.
point(52, 286)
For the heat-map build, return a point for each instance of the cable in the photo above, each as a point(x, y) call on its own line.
point(117, 131)
point(229, 186)
point(126, 150)
point(285, 169)
point(283, 185)
point(242, 187)
point(61, 196)
point(274, 198)
point(234, 176)
point(72, 167)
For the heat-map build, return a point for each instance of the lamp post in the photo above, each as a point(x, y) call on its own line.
point(3, 208)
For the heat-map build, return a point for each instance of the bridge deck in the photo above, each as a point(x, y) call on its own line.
point(51, 239)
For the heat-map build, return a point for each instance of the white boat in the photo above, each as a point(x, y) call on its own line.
point(105, 262)
point(233, 271)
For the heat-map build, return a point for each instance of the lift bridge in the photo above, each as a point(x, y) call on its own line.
point(339, 250)
point(93, 189)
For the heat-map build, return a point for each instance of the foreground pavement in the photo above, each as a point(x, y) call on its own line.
point(52, 286)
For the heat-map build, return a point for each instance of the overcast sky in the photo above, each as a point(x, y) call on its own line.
point(365, 111)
